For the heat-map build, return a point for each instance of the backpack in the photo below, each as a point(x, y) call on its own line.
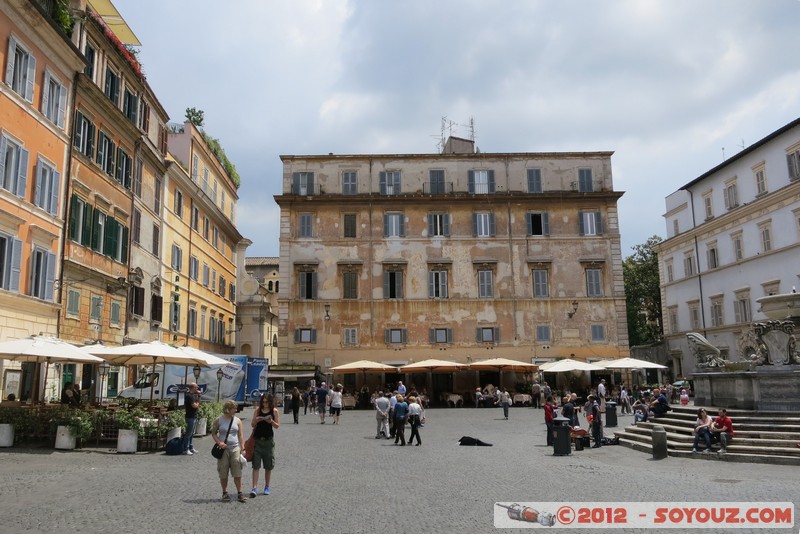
point(174, 446)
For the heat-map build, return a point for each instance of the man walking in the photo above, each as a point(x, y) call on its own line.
point(597, 423)
point(601, 392)
point(322, 401)
point(382, 415)
point(191, 402)
point(536, 390)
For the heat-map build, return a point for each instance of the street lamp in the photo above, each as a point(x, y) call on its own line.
point(196, 370)
point(219, 381)
point(104, 368)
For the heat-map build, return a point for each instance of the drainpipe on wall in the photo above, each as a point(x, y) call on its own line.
point(697, 259)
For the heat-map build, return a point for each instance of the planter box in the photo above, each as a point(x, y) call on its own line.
point(173, 433)
point(6, 435)
point(202, 427)
point(65, 438)
point(127, 441)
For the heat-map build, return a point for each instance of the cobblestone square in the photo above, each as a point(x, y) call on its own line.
point(341, 479)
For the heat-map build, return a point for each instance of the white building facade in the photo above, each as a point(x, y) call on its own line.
point(733, 237)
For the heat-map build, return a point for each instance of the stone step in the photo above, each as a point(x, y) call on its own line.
point(737, 425)
point(679, 434)
point(728, 457)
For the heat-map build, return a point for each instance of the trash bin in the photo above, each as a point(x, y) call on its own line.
point(287, 404)
point(561, 442)
point(611, 414)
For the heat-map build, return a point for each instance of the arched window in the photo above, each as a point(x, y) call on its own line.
point(274, 340)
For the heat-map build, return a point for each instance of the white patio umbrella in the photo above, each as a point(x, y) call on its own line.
point(433, 366)
point(211, 359)
point(38, 349)
point(365, 366)
point(630, 363)
point(503, 364)
point(568, 364)
point(153, 352)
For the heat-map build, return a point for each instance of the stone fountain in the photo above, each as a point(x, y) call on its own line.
point(767, 374)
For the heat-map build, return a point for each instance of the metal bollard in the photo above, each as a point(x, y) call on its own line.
point(659, 438)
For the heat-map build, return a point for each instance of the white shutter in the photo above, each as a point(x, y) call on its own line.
point(30, 78)
point(10, 57)
point(45, 93)
point(62, 105)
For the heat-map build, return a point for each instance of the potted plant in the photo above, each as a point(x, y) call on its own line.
point(174, 423)
point(72, 426)
point(13, 420)
point(128, 422)
point(206, 414)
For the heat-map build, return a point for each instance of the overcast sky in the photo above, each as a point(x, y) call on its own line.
point(666, 85)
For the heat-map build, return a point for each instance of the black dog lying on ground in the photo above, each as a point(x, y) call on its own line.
point(466, 440)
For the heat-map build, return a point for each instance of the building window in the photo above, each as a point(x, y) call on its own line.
point(731, 196)
point(395, 336)
point(222, 287)
point(136, 229)
point(306, 228)
point(793, 162)
point(598, 332)
point(708, 205)
point(124, 168)
point(137, 177)
point(157, 196)
point(136, 301)
point(350, 285)
point(232, 292)
point(670, 271)
point(95, 309)
point(20, 69)
point(534, 180)
point(43, 268)
point(541, 286)
point(191, 326)
point(130, 105)
point(13, 166)
point(485, 284)
point(214, 280)
point(711, 253)
point(80, 222)
point(178, 204)
point(156, 308)
point(393, 225)
point(194, 268)
point(488, 334)
point(112, 86)
point(761, 181)
point(393, 284)
point(10, 262)
point(305, 335)
point(156, 241)
point(144, 116)
point(538, 223)
point(436, 185)
point(672, 314)
point(594, 282)
point(54, 99)
point(73, 302)
point(116, 309)
point(437, 284)
point(83, 135)
point(483, 224)
point(543, 333)
point(694, 315)
point(716, 312)
point(89, 52)
point(349, 183)
point(390, 183)
point(590, 223)
point(215, 238)
point(350, 225)
point(765, 231)
point(688, 264)
point(440, 335)
point(106, 153)
point(438, 224)
point(206, 228)
point(585, 181)
point(45, 194)
point(176, 261)
point(206, 275)
point(307, 282)
point(195, 219)
point(481, 182)
point(738, 246)
point(350, 336)
point(741, 307)
point(303, 183)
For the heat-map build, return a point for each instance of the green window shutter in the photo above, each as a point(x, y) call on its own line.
point(74, 213)
point(88, 223)
point(124, 258)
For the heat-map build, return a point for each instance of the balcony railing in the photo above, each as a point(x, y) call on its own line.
point(306, 190)
point(442, 188)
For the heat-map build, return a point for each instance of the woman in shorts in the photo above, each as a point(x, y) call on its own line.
point(227, 433)
point(266, 418)
point(336, 403)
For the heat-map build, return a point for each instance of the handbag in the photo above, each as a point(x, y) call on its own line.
point(249, 448)
point(216, 450)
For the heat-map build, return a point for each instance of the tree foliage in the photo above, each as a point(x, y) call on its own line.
point(195, 116)
point(643, 293)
